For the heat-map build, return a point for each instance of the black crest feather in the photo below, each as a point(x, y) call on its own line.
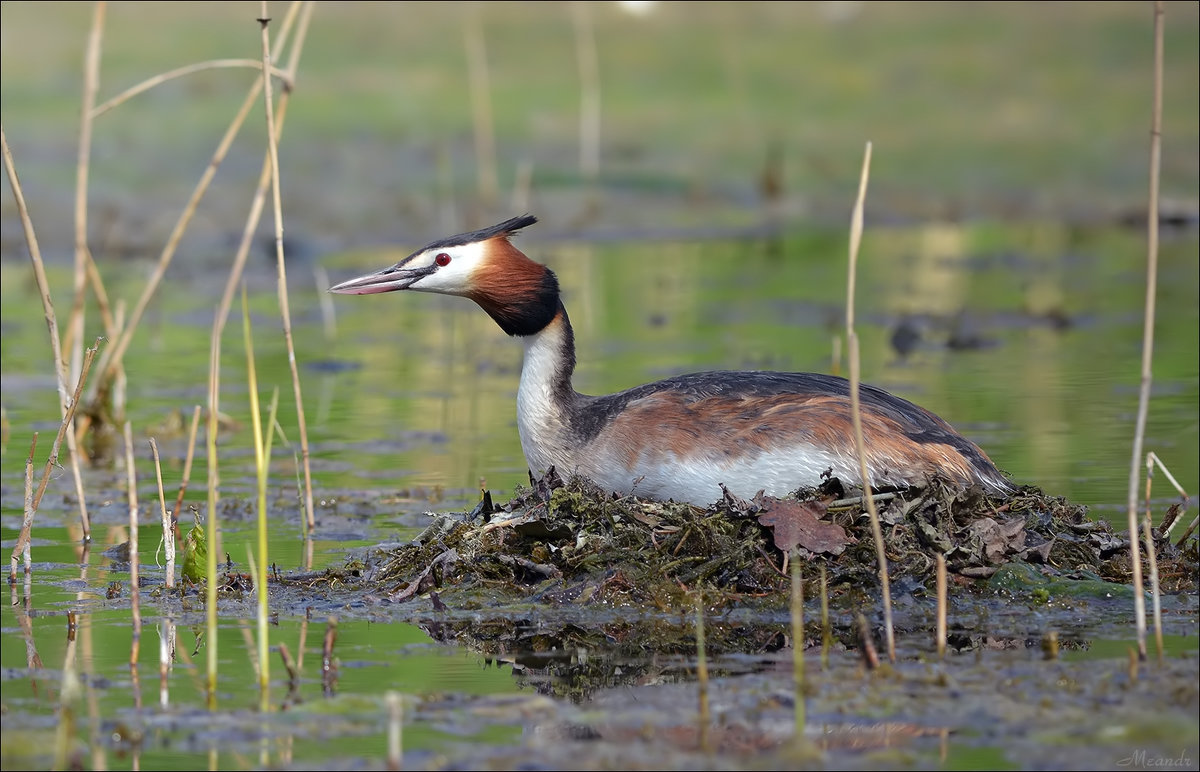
point(506, 228)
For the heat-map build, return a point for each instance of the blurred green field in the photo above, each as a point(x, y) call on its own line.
point(975, 109)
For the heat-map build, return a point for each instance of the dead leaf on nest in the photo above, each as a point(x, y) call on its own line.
point(998, 538)
point(646, 519)
point(798, 524)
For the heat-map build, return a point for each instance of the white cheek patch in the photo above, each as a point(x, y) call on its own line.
point(454, 278)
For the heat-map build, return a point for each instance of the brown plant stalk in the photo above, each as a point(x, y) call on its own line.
point(1135, 559)
point(168, 533)
point(284, 310)
point(856, 230)
point(114, 355)
point(23, 540)
point(52, 460)
point(179, 72)
point(134, 579)
point(75, 322)
point(66, 404)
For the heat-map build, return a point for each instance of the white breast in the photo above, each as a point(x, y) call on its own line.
point(698, 481)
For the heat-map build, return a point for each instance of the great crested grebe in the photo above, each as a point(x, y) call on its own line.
point(680, 438)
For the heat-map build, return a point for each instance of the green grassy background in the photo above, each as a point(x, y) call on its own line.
point(975, 109)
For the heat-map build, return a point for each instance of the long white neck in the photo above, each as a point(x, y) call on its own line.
point(545, 398)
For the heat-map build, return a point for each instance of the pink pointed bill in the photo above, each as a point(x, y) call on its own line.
point(387, 280)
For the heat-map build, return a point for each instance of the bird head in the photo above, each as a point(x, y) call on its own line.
point(519, 294)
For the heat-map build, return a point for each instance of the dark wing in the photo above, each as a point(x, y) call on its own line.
point(914, 421)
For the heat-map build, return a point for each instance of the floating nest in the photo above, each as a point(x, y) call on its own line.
point(568, 542)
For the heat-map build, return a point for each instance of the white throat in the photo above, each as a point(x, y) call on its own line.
point(542, 418)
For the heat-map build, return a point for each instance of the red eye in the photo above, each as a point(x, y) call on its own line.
point(442, 259)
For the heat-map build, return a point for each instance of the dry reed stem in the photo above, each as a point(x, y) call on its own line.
point(1139, 434)
point(88, 356)
point(797, 613)
point(91, 85)
point(256, 206)
point(77, 478)
point(114, 355)
point(23, 539)
point(1175, 515)
point(253, 217)
point(941, 605)
point(481, 106)
point(704, 716)
point(187, 470)
point(149, 83)
point(168, 533)
point(264, 178)
point(589, 91)
point(120, 377)
point(134, 588)
point(111, 327)
point(52, 460)
point(27, 515)
point(39, 273)
point(856, 230)
point(1151, 554)
point(395, 736)
point(285, 312)
point(214, 368)
point(75, 322)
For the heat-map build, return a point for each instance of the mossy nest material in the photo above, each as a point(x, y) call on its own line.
point(557, 542)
